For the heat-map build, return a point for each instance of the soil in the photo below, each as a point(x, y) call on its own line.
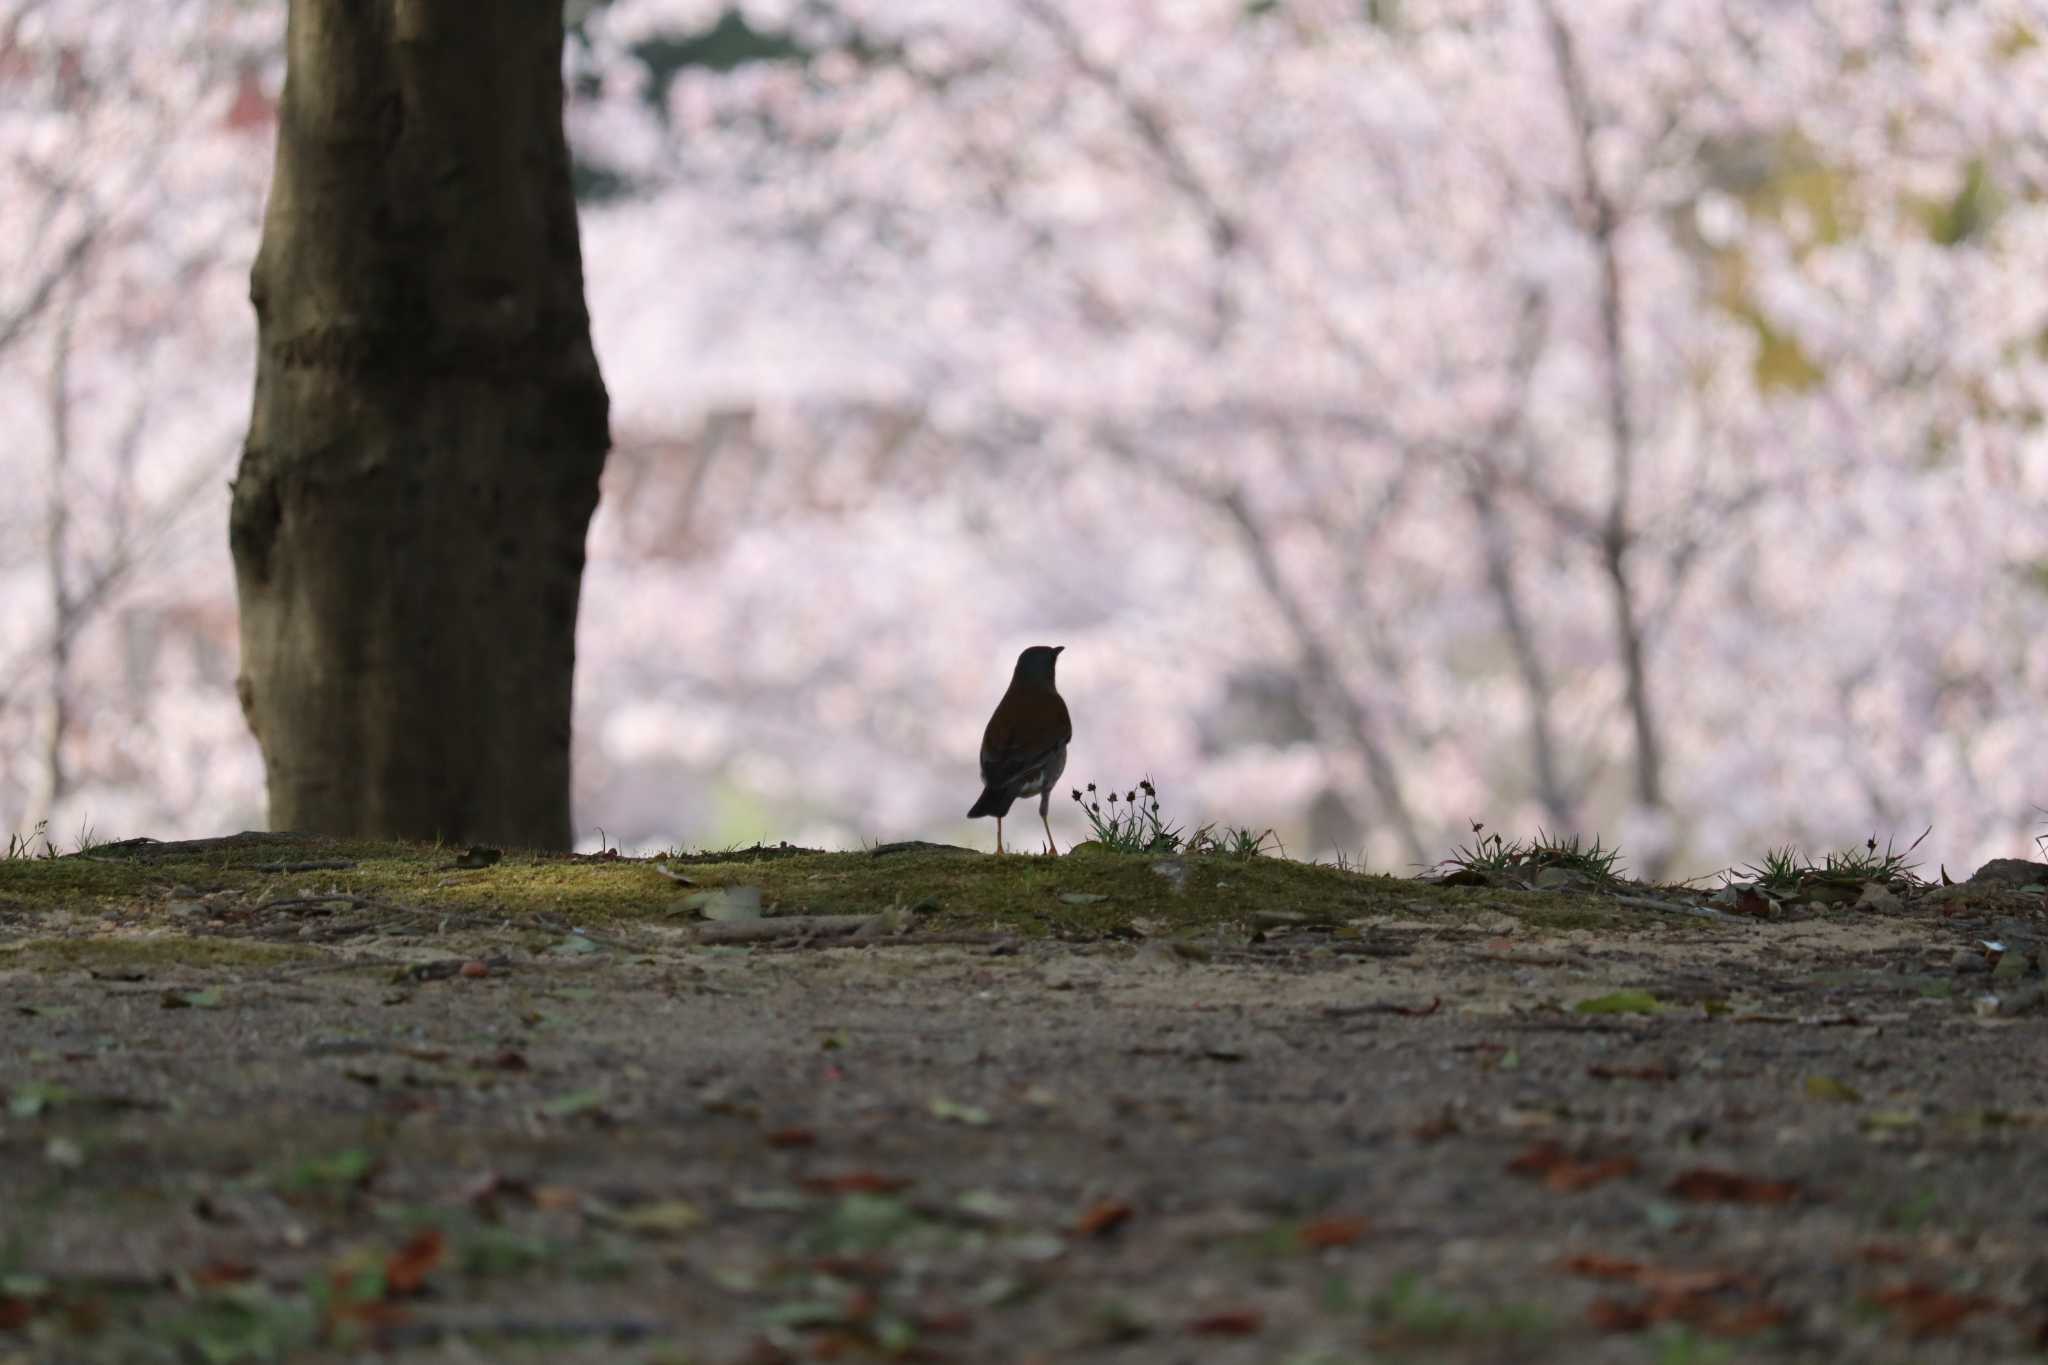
point(245, 1127)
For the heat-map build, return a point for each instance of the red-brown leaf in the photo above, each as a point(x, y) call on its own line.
point(1705, 1184)
point(1321, 1233)
point(216, 1273)
point(1613, 1315)
point(1565, 1173)
point(1102, 1218)
point(1229, 1322)
point(1924, 1310)
point(406, 1271)
point(855, 1182)
point(791, 1137)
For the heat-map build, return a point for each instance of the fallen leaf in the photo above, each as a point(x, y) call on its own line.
point(658, 1218)
point(1661, 1280)
point(1102, 1218)
point(1433, 1130)
point(953, 1112)
point(1602, 1267)
point(1561, 1171)
point(406, 1271)
point(1230, 1322)
point(790, 1137)
point(1652, 1072)
point(1620, 1002)
point(1708, 1185)
point(1749, 901)
point(1333, 1231)
point(216, 1273)
point(208, 999)
point(15, 1313)
point(1831, 1090)
point(855, 1182)
point(473, 969)
point(1924, 1310)
point(575, 1102)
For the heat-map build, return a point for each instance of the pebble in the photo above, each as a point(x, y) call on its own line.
point(1967, 960)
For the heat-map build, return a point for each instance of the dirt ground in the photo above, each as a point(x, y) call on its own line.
point(1382, 1134)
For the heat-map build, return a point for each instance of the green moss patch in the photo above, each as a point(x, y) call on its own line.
point(1090, 893)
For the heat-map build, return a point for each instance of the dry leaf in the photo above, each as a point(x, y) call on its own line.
point(407, 1269)
point(1924, 1310)
point(1230, 1322)
point(1561, 1171)
point(1102, 1218)
point(855, 1182)
point(1705, 1184)
point(1320, 1233)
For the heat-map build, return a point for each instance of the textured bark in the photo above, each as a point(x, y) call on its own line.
point(429, 425)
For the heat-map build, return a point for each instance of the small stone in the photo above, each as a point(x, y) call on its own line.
point(2025, 1000)
point(1967, 960)
point(1175, 870)
point(2012, 872)
point(475, 969)
point(1877, 896)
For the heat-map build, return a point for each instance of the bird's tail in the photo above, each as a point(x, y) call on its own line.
point(991, 802)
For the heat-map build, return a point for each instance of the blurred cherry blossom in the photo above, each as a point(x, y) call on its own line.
point(1615, 415)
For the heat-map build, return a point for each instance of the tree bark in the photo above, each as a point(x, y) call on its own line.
point(428, 429)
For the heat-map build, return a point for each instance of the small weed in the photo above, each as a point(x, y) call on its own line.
point(1239, 843)
point(1785, 870)
point(1781, 870)
point(24, 845)
point(1491, 853)
point(1133, 823)
point(1867, 864)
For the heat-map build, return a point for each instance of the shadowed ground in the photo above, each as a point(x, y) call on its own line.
point(1104, 1107)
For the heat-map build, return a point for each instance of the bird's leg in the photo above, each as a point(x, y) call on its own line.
point(1044, 801)
point(999, 834)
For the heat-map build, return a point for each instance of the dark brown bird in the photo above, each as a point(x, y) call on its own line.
point(1024, 749)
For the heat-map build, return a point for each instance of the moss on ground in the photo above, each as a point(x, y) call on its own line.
point(1090, 893)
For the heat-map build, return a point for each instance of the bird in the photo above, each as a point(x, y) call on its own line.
point(1024, 749)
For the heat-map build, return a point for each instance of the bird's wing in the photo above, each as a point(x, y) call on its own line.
point(1027, 729)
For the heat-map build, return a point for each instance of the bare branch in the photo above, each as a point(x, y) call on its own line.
point(1601, 218)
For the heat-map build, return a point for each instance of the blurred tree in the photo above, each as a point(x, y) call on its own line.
point(429, 427)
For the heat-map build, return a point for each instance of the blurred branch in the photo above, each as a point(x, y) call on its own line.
point(1598, 215)
point(24, 314)
point(1558, 797)
point(1225, 230)
point(1324, 675)
point(52, 783)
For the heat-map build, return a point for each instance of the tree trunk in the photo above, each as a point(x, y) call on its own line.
point(429, 426)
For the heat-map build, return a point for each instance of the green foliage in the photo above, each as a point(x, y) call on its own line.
point(1965, 214)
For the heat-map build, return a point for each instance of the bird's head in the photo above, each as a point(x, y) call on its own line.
point(1036, 664)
